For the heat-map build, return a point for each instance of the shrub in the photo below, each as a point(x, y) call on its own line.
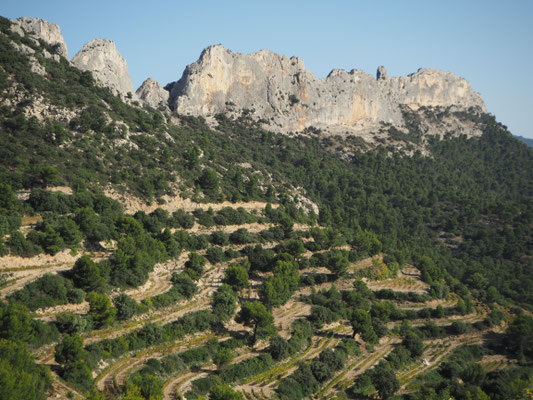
point(215, 254)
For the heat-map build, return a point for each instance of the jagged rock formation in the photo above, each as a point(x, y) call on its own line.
point(44, 30)
point(101, 57)
point(283, 93)
point(153, 94)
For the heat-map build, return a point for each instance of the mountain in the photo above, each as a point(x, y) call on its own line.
point(101, 57)
point(281, 92)
point(527, 141)
point(148, 253)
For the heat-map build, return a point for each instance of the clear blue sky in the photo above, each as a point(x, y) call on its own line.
point(490, 43)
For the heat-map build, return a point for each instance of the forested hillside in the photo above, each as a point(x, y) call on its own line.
point(149, 255)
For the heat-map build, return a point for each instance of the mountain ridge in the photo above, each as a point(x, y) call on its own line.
point(276, 89)
point(287, 97)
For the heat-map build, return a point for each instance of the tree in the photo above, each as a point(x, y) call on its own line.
point(208, 181)
point(151, 387)
point(184, 285)
point(224, 392)
point(195, 265)
point(278, 348)
point(71, 323)
point(70, 350)
point(278, 288)
point(79, 374)
point(86, 275)
point(414, 344)
point(224, 302)
point(519, 336)
point(295, 248)
point(15, 323)
point(255, 315)
point(70, 233)
point(20, 377)
point(222, 357)
point(362, 323)
point(131, 392)
point(338, 263)
point(125, 305)
point(236, 276)
point(384, 380)
point(100, 308)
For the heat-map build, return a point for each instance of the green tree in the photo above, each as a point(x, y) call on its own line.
point(151, 387)
point(101, 310)
point(195, 265)
point(224, 302)
point(224, 392)
point(385, 381)
point(338, 263)
point(208, 181)
point(519, 336)
point(255, 315)
point(278, 348)
point(86, 275)
point(15, 323)
point(223, 357)
point(125, 305)
point(70, 350)
point(79, 374)
point(20, 377)
point(236, 276)
point(278, 288)
point(362, 323)
point(414, 344)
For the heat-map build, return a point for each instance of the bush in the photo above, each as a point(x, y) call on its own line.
point(219, 238)
point(184, 285)
point(47, 291)
point(181, 219)
point(126, 306)
point(249, 367)
point(240, 236)
point(236, 276)
point(215, 254)
point(278, 348)
point(21, 377)
point(195, 265)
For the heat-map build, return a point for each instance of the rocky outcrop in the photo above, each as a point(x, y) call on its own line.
point(382, 73)
point(101, 57)
point(44, 30)
point(153, 94)
point(280, 91)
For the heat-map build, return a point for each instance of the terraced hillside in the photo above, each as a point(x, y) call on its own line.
point(315, 331)
point(148, 255)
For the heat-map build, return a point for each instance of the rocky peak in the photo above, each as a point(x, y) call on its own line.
point(382, 73)
point(101, 57)
point(44, 30)
point(280, 90)
point(153, 94)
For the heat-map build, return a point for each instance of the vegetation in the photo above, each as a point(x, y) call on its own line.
point(443, 239)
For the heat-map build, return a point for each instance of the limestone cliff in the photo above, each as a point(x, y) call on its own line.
point(153, 94)
point(101, 57)
point(283, 93)
point(44, 30)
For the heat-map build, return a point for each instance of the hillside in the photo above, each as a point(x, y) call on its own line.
point(145, 253)
point(527, 141)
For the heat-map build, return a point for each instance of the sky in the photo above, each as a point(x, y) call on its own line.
point(487, 42)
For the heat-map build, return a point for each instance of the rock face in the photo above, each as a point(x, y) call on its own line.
point(153, 94)
point(101, 57)
point(281, 91)
point(45, 30)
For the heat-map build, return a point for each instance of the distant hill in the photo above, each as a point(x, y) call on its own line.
point(527, 141)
